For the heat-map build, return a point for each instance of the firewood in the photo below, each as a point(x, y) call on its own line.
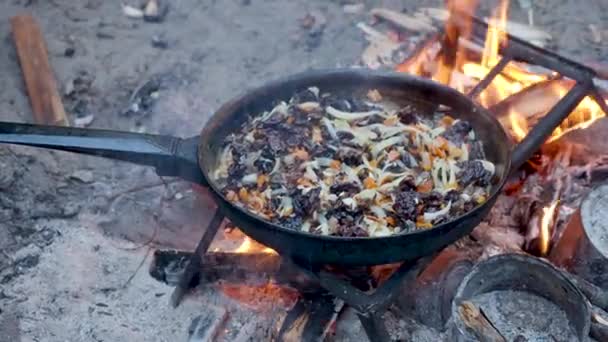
point(413, 23)
point(429, 20)
point(249, 268)
point(476, 320)
point(37, 72)
point(310, 319)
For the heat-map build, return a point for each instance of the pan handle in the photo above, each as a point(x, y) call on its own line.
point(543, 129)
point(171, 156)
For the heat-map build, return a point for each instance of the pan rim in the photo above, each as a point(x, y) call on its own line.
point(234, 104)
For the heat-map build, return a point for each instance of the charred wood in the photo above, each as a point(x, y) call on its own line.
point(311, 319)
point(475, 320)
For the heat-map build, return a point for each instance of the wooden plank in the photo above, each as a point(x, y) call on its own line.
point(37, 72)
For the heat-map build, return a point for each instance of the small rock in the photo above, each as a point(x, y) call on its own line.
point(155, 11)
point(178, 196)
point(27, 257)
point(132, 12)
point(69, 52)
point(159, 42)
point(85, 176)
point(353, 8)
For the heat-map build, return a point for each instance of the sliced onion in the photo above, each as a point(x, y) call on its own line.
point(430, 217)
point(314, 90)
point(286, 206)
point(351, 174)
point(350, 202)
point(224, 163)
point(277, 165)
point(465, 152)
point(350, 116)
point(323, 224)
point(310, 174)
point(489, 166)
point(250, 179)
point(393, 184)
point(305, 226)
point(330, 128)
point(252, 157)
point(379, 147)
point(378, 211)
point(308, 107)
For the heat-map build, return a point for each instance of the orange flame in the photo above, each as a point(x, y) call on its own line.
point(513, 79)
point(250, 246)
point(545, 227)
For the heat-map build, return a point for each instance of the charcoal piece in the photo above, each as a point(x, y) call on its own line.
point(473, 172)
point(406, 205)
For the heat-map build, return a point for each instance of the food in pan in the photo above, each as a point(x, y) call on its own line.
point(354, 166)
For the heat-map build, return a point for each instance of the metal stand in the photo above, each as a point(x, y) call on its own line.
point(370, 307)
point(195, 263)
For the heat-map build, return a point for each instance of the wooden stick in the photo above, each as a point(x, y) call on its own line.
point(37, 72)
point(474, 319)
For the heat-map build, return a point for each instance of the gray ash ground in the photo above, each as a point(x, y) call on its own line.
point(61, 237)
point(517, 313)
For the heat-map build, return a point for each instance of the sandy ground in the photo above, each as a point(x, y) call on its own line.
point(64, 218)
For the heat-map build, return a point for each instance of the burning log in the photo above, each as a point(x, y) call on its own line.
point(589, 142)
point(450, 60)
point(250, 268)
point(540, 228)
point(532, 101)
point(420, 61)
point(474, 319)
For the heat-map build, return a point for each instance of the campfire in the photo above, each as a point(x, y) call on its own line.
point(539, 253)
point(472, 56)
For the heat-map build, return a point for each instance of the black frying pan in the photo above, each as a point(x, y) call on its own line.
point(194, 158)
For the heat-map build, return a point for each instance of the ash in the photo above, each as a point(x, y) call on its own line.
point(518, 313)
point(74, 229)
point(87, 287)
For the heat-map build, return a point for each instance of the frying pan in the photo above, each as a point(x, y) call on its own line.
point(194, 159)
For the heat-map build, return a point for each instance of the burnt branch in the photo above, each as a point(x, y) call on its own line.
point(475, 320)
